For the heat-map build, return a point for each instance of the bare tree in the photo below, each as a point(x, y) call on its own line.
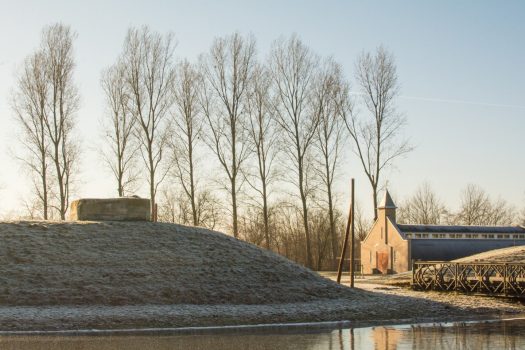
point(29, 104)
point(362, 224)
point(119, 130)
point(263, 135)
point(251, 225)
point(423, 207)
point(293, 70)
point(168, 206)
point(320, 226)
point(209, 211)
point(502, 213)
point(227, 69)
point(376, 137)
point(289, 236)
point(188, 123)
point(477, 208)
point(62, 105)
point(329, 89)
point(150, 74)
point(32, 210)
point(175, 207)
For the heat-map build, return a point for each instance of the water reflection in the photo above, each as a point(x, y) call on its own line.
point(508, 334)
point(486, 335)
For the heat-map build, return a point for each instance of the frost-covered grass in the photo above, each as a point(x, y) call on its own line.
point(121, 275)
point(130, 263)
point(510, 255)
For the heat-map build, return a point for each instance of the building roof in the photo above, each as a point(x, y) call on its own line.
point(450, 249)
point(460, 229)
point(387, 202)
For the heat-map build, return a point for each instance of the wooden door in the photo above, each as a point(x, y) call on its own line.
point(382, 261)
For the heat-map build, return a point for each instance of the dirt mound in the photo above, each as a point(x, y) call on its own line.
point(511, 255)
point(131, 263)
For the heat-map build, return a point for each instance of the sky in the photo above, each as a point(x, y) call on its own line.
point(460, 66)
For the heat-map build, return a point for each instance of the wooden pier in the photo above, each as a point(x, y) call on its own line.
point(506, 279)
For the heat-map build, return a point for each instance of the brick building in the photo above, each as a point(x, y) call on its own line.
point(390, 247)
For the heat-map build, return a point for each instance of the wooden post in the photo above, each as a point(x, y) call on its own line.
point(345, 244)
point(352, 230)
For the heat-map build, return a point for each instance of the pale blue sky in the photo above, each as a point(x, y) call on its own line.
point(460, 65)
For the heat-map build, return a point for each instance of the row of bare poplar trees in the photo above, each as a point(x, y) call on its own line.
point(266, 136)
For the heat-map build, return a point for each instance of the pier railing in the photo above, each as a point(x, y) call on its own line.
point(486, 278)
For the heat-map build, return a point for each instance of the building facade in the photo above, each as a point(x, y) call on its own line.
point(390, 247)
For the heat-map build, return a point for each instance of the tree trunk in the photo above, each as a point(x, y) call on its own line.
point(192, 183)
point(234, 170)
point(120, 180)
point(151, 181)
point(265, 214)
point(44, 172)
point(333, 235)
point(374, 193)
point(44, 189)
point(305, 221)
point(60, 180)
point(234, 209)
point(120, 170)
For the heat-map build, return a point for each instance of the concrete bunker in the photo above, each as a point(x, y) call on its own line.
point(111, 209)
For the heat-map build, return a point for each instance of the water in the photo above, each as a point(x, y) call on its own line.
point(507, 334)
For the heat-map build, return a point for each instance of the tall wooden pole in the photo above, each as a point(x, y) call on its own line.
point(352, 250)
point(345, 244)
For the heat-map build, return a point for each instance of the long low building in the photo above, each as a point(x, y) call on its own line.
point(390, 247)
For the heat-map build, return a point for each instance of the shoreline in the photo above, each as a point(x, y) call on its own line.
point(277, 328)
point(377, 305)
point(395, 306)
point(371, 304)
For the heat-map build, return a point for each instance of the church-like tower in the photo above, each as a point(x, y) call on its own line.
point(387, 208)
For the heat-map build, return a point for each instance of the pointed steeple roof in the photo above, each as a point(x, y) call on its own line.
point(387, 202)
